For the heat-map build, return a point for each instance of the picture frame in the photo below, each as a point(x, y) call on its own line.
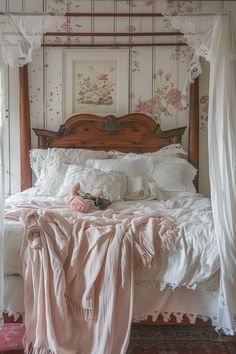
point(96, 81)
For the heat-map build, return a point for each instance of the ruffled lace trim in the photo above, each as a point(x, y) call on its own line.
point(165, 285)
point(191, 37)
point(195, 40)
point(166, 316)
point(15, 315)
point(21, 36)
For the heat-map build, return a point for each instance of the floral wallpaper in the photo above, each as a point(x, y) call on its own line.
point(166, 95)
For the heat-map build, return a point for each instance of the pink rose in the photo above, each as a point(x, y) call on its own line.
point(83, 205)
point(96, 192)
point(75, 188)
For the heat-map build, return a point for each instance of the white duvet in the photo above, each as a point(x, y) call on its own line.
point(192, 260)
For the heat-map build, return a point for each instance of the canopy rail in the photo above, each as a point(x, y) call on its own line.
point(113, 34)
point(110, 45)
point(111, 14)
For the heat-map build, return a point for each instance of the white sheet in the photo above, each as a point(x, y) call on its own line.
point(191, 261)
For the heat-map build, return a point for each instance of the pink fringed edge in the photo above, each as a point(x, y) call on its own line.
point(85, 314)
point(169, 236)
point(147, 260)
point(30, 349)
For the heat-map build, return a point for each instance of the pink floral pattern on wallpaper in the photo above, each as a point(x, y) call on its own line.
point(180, 53)
point(204, 103)
point(97, 92)
point(166, 97)
point(175, 6)
point(135, 62)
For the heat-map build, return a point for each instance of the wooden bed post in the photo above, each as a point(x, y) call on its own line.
point(25, 133)
point(193, 139)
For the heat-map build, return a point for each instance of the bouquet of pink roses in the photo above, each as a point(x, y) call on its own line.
point(87, 202)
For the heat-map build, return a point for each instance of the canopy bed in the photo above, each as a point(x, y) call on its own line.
point(138, 133)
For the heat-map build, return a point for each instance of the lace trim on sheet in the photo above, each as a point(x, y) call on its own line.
point(16, 315)
point(166, 316)
point(165, 285)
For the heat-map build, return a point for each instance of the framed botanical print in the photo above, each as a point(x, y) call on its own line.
point(96, 81)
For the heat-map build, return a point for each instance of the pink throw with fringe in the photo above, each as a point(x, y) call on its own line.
point(79, 276)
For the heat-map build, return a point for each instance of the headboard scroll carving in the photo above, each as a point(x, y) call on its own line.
point(134, 132)
point(110, 124)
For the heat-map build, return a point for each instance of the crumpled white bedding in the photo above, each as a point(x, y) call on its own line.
point(191, 262)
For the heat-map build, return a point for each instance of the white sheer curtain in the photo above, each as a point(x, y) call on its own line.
point(2, 184)
point(20, 36)
point(212, 37)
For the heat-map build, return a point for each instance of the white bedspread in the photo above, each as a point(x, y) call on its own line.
point(190, 262)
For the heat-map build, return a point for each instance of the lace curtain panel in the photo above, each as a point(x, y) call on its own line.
point(20, 36)
point(2, 187)
point(211, 37)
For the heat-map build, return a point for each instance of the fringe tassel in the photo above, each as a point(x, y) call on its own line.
point(85, 314)
point(30, 349)
point(169, 236)
point(144, 261)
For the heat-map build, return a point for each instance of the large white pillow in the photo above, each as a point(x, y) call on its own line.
point(112, 184)
point(55, 165)
point(138, 170)
point(131, 165)
point(174, 174)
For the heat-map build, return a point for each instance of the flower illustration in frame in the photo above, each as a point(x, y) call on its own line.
point(96, 82)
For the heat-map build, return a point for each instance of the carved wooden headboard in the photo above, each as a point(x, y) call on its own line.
point(134, 132)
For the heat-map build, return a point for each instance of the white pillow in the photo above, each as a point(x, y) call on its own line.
point(131, 165)
point(174, 174)
point(53, 173)
point(112, 184)
point(50, 183)
point(138, 170)
point(174, 150)
point(37, 158)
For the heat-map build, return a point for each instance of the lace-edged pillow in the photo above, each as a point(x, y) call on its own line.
point(172, 150)
point(175, 175)
point(56, 163)
point(37, 159)
point(112, 184)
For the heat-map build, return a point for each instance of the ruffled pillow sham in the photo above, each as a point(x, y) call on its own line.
point(138, 170)
point(113, 184)
point(131, 165)
point(174, 175)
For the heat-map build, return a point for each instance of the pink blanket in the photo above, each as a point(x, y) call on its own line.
point(79, 276)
